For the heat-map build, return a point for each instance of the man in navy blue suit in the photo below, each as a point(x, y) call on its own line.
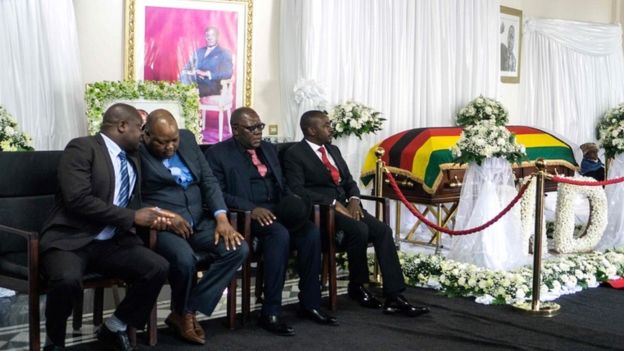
point(177, 178)
point(251, 179)
point(208, 65)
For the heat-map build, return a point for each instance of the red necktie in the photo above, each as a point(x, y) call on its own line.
point(333, 170)
point(262, 169)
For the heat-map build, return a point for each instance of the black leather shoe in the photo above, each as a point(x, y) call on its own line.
point(117, 340)
point(274, 325)
point(400, 304)
point(318, 316)
point(360, 294)
point(53, 348)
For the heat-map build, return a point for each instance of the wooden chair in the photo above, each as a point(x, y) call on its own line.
point(27, 189)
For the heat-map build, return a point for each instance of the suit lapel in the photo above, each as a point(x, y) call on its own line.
point(340, 164)
point(109, 168)
point(315, 161)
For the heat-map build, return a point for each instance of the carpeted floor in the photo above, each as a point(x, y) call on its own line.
point(589, 320)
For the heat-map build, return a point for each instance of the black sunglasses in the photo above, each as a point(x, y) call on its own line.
point(251, 129)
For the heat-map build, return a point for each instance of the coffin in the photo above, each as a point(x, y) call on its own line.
point(421, 161)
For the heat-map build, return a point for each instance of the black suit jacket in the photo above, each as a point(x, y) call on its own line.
point(84, 204)
point(231, 164)
point(306, 174)
point(159, 187)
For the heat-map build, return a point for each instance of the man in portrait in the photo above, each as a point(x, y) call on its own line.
point(508, 56)
point(208, 65)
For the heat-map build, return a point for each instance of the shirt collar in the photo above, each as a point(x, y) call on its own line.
point(314, 146)
point(112, 147)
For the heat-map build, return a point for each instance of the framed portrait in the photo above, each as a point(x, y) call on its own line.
point(200, 43)
point(510, 44)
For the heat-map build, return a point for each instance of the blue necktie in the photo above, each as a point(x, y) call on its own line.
point(124, 190)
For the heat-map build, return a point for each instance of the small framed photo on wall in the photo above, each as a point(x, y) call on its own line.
point(510, 44)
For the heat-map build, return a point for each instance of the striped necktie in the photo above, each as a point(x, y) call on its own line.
point(124, 189)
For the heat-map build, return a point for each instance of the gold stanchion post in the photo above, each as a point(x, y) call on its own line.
point(536, 307)
point(378, 185)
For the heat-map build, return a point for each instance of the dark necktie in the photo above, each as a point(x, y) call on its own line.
point(335, 174)
point(261, 167)
point(124, 189)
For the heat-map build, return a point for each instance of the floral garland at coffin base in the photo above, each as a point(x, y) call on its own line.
point(353, 118)
point(564, 274)
point(11, 139)
point(99, 95)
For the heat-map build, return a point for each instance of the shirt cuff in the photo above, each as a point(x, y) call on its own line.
point(217, 212)
point(354, 197)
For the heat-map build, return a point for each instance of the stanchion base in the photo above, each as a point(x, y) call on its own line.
point(546, 309)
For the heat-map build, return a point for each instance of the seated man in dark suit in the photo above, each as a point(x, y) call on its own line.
point(177, 178)
point(315, 168)
point(91, 226)
point(251, 178)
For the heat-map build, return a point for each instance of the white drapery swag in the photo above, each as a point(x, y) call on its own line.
point(39, 57)
point(487, 189)
point(613, 236)
point(572, 73)
point(417, 62)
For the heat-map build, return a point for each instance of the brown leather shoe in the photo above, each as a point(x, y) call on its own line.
point(183, 327)
point(198, 328)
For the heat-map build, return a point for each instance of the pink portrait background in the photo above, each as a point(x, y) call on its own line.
point(172, 35)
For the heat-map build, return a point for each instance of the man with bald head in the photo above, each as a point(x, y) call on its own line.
point(176, 177)
point(91, 226)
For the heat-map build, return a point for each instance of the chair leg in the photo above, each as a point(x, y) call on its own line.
point(98, 306)
point(246, 291)
point(132, 337)
point(333, 286)
point(33, 321)
point(231, 304)
point(220, 124)
point(78, 305)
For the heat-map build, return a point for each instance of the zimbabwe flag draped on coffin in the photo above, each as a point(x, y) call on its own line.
point(422, 153)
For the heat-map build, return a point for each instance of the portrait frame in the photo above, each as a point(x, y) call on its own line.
point(164, 39)
point(510, 34)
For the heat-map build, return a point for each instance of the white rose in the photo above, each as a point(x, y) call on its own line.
point(9, 131)
point(488, 110)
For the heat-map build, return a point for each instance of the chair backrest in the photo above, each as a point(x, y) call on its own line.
point(28, 184)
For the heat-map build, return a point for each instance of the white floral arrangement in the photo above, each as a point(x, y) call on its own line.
point(11, 139)
point(527, 215)
point(353, 118)
point(610, 131)
point(482, 109)
point(563, 237)
point(487, 139)
point(99, 95)
point(564, 274)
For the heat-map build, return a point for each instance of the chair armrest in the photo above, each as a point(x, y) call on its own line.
point(382, 202)
point(28, 235)
point(242, 222)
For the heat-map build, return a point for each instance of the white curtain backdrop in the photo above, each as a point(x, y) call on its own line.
point(417, 62)
point(40, 65)
point(572, 73)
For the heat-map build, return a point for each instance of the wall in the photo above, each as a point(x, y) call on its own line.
point(101, 37)
point(600, 11)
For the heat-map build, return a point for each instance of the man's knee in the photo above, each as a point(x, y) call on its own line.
point(159, 268)
point(66, 281)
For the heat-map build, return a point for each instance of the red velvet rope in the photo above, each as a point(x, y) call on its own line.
point(586, 182)
point(421, 217)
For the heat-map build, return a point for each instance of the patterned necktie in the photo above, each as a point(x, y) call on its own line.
point(335, 174)
point(124, 189)
point(262, 168)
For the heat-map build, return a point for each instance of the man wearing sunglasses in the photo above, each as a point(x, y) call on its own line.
point(251, 179)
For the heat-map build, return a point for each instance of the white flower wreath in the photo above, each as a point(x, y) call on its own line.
point(564, 241)
point(527, 213)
